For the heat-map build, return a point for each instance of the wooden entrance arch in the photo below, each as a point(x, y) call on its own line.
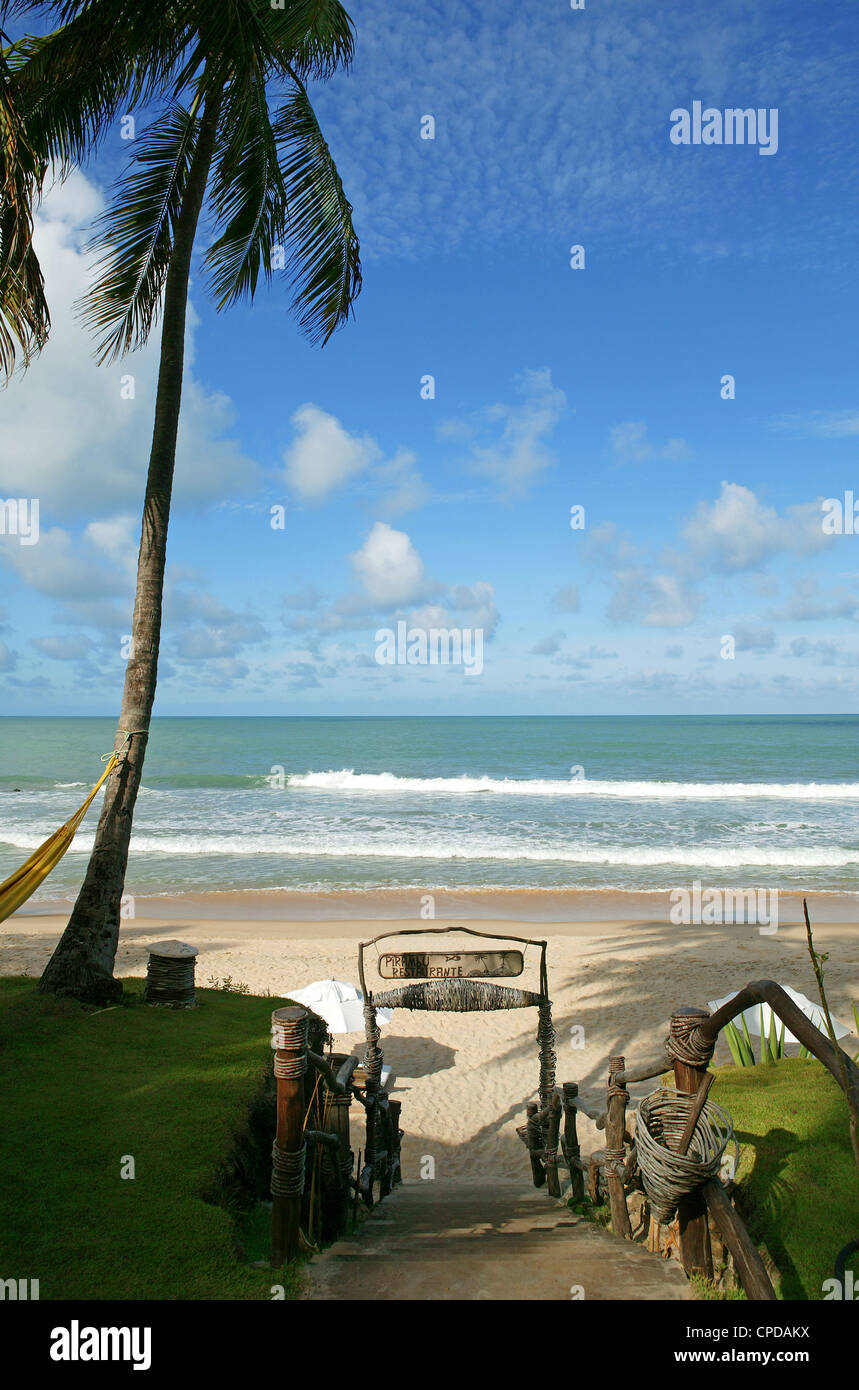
point(454, 982)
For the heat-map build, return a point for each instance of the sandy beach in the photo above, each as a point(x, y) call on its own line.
point(464, 1080)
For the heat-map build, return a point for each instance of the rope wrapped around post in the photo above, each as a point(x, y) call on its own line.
point(373, 1057)
point(614, 1156)
point(549, 1098)
point(287, 1174)
point(686, 1043)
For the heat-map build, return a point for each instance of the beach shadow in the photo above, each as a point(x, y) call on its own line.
point(413, 1057)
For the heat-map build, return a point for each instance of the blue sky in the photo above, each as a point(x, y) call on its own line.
point(554, 387)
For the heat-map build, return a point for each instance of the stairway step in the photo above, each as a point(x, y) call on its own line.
point(498, 1240)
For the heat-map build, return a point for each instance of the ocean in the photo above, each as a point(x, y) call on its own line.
point(328, 805)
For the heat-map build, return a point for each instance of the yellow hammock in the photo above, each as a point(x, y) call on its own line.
point(17, 889)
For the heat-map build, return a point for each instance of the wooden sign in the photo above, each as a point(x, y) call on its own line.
point(450, 965)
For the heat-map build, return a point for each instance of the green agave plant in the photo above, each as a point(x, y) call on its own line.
point(771, 1048)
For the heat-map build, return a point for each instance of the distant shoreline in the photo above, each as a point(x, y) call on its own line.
point(513, 905)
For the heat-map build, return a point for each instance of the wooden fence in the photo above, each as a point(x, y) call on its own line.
point(687, 1052)
point(314, 1178)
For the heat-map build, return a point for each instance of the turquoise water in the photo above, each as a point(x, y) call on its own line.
point(559, 803)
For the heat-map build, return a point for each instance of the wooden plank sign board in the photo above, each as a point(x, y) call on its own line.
point(450, 965)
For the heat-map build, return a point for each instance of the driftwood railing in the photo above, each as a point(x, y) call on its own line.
point(687, 1052)
point(312, 1157)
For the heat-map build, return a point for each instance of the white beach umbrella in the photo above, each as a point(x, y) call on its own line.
point(752, 1016)
point(340, 1004)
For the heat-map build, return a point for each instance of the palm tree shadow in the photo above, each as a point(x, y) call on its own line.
point(412, 1057)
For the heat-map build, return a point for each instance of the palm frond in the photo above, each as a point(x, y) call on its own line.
point(137, 236)
point(24, 315)
point(74, 82)
point(248, 198)
point(317, 36)
point(323, 251)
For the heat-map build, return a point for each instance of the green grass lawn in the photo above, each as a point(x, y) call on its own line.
point(799, 1184)
point(79, 1090)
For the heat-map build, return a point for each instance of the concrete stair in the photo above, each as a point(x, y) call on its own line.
point(489, 1239)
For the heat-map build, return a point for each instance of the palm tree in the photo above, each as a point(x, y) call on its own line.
point(24, 317)
point(213, 69)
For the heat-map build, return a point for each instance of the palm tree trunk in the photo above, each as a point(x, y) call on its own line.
point(82, 964)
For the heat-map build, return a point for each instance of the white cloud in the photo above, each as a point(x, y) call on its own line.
point(405, 489)
point(65, 648)
point(567, 599)
point(500, 173)
point(324, 455)
point(630, 444)
point(67, 435)
point(57, 569)
point(655, 600)
point(738, 532)
point(508, 443)
point(477, 603)
point(807, 602)
point(548, 645)
point(118, 538)
point(389, 567)
point(199, 627)
point(751, 638)
point(820, 424)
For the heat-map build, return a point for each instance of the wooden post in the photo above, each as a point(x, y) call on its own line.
point(338, 1107)
point(695, 1249)
point(395, 1106)
point(289, 1035)
point(747, 1260)
point(615, 1128)
point(384, 1153)
point(538, 1172)
point(553, 1130)
point(594, 1181)
point(367, 1176)
point(357, 1191)
point(571, 1142)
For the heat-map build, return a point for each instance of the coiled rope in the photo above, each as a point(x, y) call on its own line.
point(684, 1042)
point(667, 1175)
